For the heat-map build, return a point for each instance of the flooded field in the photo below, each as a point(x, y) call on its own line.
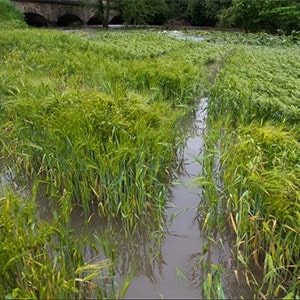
point(186, 255)
point(114, 185)
point(177, 265)
point(181, 247)
point(174, 265)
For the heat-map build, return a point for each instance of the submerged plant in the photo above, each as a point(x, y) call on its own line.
point(212, 286)
point(41, 259)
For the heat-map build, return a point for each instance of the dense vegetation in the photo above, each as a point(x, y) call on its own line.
point(92, 120)
point(11, 17)
point(252, 15)
point(254, 122)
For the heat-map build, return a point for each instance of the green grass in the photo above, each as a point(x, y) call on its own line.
point(100, 126)
point(250, 39)
point(254, 117)
point(95, 117)
point(41, 259)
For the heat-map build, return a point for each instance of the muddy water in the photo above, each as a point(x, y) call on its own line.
point(182, 241)
point(177, 266)
point(185, 263)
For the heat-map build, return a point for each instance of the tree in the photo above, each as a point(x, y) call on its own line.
point(284, 16)
point(104, 10)
point(214, 9)
point(196, 12)
point(268, 15)
point(176, 9)
point(141, 11)
point(206, 12)
point(159, 12)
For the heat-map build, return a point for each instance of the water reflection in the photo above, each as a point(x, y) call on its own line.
point(169, 261)
point(138, 253)
point(188, 252)
point(181, 246)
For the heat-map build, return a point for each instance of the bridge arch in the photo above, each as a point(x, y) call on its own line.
point(60, 12)
point(69, 20)
point(116, 20)
point(35, 19)
point(94, 20)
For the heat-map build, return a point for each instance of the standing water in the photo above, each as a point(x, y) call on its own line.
point(184, 263)
point(182, 243)
point(186, 256)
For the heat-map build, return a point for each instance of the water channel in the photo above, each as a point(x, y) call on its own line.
point(182, 246)
point(176, 266)
point(185, 263)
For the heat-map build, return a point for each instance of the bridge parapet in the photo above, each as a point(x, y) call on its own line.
point(71, 2)
point(52, 12)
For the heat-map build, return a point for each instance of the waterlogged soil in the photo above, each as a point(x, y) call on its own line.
point(182, 245)
point(187, 253)
point(175, 267)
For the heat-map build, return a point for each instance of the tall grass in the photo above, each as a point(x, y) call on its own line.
point(10, 15)
point(95, 119)
point(254, 114)
point(41, 259)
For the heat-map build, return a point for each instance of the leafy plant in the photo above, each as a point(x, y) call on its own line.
point(271, 16)
point(10, 15)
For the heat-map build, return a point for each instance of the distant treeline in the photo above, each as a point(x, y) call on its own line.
point(251, 15)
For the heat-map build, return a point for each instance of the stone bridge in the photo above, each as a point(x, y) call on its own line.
point(60, 12)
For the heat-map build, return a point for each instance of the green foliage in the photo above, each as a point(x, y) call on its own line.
point(260, 93)
point(97, 118)
point(269, 15)
point(252, 15)
point(94, 116)
point(158, 12)
point(243, 38)
point(10, 15)
point(134, 11)
point(206, 12)
point(176, 8)
point(212, 285)
point(196, 12)
point(142, 11)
